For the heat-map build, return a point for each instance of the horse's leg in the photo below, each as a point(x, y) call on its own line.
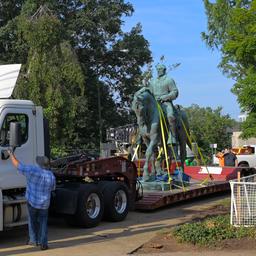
point(153, 169)
point(150, 152)
point(146, 164)
point(152, 157)
point(159, 162)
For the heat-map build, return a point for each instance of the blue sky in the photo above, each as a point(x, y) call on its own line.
point(173, 29)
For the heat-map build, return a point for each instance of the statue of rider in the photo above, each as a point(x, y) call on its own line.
point(165, 91)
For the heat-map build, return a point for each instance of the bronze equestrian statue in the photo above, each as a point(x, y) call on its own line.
point(145, 105)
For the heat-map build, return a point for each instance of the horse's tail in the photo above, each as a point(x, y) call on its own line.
point(182, 123)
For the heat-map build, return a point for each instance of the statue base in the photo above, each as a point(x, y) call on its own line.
point(156, 185)
point(178, 180)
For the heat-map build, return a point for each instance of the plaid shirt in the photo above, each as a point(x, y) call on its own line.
point(40, 183)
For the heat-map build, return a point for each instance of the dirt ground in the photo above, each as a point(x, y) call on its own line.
point(163, 242)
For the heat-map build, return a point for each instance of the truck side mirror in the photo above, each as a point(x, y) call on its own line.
point(15, 134)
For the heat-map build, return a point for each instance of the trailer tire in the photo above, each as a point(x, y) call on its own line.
point(116, 201)
point(90, 207)
point(247, 171)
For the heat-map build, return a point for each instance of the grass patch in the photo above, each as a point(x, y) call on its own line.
point(211, 231)
point(225, 202)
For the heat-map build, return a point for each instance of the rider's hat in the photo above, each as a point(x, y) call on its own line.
point(160, 66)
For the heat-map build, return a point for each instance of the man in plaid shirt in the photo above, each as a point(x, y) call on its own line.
point(40, 183)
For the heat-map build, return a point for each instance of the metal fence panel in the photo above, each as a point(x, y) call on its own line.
point(243, 201)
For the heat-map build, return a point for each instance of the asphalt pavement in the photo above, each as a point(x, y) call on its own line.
point(115, 239)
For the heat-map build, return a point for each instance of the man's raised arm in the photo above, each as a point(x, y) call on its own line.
point(15, 162)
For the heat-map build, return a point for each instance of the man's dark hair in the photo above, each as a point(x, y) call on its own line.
point(43, 161)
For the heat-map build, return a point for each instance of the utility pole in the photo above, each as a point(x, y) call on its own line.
point(100, 117)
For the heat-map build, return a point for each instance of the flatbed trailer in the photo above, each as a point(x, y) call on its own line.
point(205, 180)
point(153, 200)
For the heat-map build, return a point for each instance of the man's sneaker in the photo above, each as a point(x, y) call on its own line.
point(44, 247)
point(31, 243)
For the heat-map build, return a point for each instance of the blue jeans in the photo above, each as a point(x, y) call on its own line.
point(37, 225)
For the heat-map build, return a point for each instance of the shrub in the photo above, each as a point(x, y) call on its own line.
point(210, 231)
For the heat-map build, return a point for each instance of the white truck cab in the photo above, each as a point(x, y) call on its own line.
point(83, 203)
point(13, 210)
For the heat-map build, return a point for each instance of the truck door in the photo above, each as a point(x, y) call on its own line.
point(9, 178)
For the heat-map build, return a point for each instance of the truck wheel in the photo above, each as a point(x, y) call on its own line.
point(90, 206)
point(245, 171)
point(116, 201)
point(243, 164)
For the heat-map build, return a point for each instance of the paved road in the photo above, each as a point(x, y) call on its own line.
point(113, 239)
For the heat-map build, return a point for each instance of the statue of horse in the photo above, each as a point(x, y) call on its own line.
point(148, 118)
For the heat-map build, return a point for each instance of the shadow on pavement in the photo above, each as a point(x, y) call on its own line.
point(61, 235)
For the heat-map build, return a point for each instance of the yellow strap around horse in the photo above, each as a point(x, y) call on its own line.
point(137, 149)
point(173, 152)
point(164, 143)
point(162, 120)
point(162, 117)
point(135, 152)
point(159, 153)
point(200, 153)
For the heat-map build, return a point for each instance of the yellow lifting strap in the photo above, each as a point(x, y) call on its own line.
point(135, 152)
point(159, 153)
point(162, 120)
point(200, 153)
point(139, 168)
point(162, 117)
point(164, 143)
point(189, 138)
point(204, 162)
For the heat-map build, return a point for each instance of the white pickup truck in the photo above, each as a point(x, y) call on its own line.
point(246, 155)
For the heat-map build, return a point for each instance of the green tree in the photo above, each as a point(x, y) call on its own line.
point(73, 54)
point(53, 73)
point(209, 126)
point(231, 29)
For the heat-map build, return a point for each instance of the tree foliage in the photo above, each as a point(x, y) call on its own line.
point(209, 126)
point(231, 29)
point(74, 53)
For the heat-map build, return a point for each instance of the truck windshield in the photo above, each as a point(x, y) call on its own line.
point(4, 132)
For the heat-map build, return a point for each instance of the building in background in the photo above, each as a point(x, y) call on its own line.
point(236, 140)
point(242, 117)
